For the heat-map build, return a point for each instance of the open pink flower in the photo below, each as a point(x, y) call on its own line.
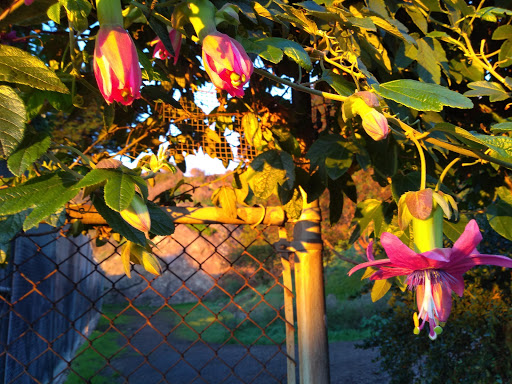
point(161, 53)
point(434, 274)
point(116, 65)
point(227, 63)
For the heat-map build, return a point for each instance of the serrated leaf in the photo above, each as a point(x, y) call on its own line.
point(33, 192)
point(11, 225)
point(379, 289)
point(265, 51)
point(117, 223)
point(487, 88)
point(502, 127)
point(270, 169)
point(161, 223)
point(292, 49)
point(459, 133)
point(50, 202)
point(225, 197)
point(20, 67)
point(500, 146)
point(30, 149)
point(12, 120)
point(119, 191)
point(422, 96)
point(53, 12)
point(95, 177)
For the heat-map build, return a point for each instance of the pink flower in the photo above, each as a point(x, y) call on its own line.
point(161, 53)
point(116, 65)
point(375, 124)
point(28, 2)
point(434, 274)
point(226, 62)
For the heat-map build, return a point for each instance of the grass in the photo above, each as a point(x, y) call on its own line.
point(222, 322)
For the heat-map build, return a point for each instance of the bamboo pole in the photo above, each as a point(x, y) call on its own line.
point(193, 215)
point(310, 297)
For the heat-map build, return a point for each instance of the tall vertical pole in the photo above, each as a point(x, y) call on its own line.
point(310, 297)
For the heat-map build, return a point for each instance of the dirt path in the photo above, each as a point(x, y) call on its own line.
point(180, 361)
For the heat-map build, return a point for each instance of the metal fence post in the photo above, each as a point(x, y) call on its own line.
point(310, 297)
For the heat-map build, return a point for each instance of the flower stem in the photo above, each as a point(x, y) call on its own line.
point(423, 184)
point(445, 171)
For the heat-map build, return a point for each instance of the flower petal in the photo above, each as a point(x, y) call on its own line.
point(442, 295)
point(467, 242)
point(400, 254)
point(374, 263)
point(479, 259)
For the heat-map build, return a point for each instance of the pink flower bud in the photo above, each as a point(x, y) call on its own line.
point(161, 53)
point(116, 65)
point(28, 2)
point(227, 63)
point(375, 124)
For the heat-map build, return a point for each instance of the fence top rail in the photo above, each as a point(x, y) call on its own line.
point(193, 215)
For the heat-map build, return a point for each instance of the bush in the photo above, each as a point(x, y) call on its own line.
point(475, 346)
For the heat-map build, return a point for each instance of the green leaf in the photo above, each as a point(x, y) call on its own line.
point(20, 67)
point(505, 55)
point(125, 258)
point(225, 197)
point(367, 211)
point(117, 223)
point(51, 201)
point(335, 199)
point(252, 131)
point(95, 177)
point(502, 127)
point(422, 96)
point(148, 72)
point(454, 230)
point(379, 289)
point(459, 133)
point(486, 88)
point(500, 146)
point(338, 83)
point(332, 155)
point(270, 169)
point(119, 191)
point(292, 49)
point(53, 12)
point(293, 207)
point(11, 225)
point(161, 223)
point(33, 192)
point(12, 120)
point(499, 214)
point(492, 13)
point(503, 32)
point(30, 149)
point(417, 17)
point(428, 67)
point(77, 11)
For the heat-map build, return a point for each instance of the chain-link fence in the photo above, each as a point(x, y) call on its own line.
point(215, 314)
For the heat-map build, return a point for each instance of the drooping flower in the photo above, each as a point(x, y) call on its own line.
point(363, 104)
point(375, 124)
point(227, 63)
point(116, 65)
point(28, 2)
point(433, 274)
point(161, 53)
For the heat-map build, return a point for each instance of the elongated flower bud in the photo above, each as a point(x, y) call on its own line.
point(137, 214)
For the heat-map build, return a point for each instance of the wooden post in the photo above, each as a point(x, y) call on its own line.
point(310, 298)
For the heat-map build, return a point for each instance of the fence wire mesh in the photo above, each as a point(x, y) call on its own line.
point(69, 314)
